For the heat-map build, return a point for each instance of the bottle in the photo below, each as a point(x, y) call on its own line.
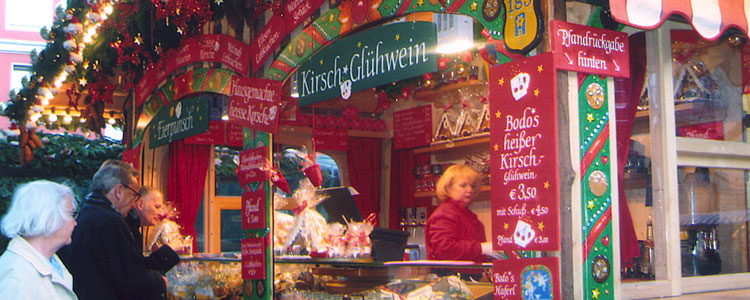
point(648, 253)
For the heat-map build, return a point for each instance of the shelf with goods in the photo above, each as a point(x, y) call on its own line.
point(686, 113)
point(455, 149)
point(478, 140)
point(431, 95)
point(484, 188)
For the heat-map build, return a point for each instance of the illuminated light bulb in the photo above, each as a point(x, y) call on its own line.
point(45, 101)
point(92, 30)
point(52, 118)
point(87, 39)
point(111, 121)
point(35, 117)
point(82, 120)
point(108, 9)
point(67, 119)
point(225, 117)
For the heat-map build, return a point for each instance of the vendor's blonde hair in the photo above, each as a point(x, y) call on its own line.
point(453, 173)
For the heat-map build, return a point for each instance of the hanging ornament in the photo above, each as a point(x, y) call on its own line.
point(443, 62)
point(383, 104)
point(277, 178)
point(28, 141)
point(74, 26)
point(467, 56)
point(94, 16)
point(427, 81)
point(314, 173)
point(351, 112)
point(70, 67)
point(405, 93)
point(70, 43)
point(43, 90)
point(76, 57)
point(45, 33)
point(311, 168)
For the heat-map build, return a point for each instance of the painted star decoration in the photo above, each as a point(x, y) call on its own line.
point(496, 147)
point(539, 68)
point(501, 81)
point(398, 37)
point(505, 225)
point(591, 204)
point(536, 92)
point(595, 293)
point(546, 184)
point(590, 117)
point(541, 226)
point(321, 62)
point(359, 44)
point(497, 114)
point(474, 6)
point(420, 3)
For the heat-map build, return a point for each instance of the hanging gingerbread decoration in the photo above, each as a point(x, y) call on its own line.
point(28, 141)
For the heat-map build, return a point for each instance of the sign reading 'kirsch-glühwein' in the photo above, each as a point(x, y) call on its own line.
point(523, 155)
point(590, 50)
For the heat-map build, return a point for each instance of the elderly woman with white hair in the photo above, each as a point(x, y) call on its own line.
point(39, 221)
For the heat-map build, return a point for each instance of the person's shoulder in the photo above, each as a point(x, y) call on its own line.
point(443, 211)
point(14, 267)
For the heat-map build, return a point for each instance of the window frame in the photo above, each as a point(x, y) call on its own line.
point(13, 12)
point(668, 153)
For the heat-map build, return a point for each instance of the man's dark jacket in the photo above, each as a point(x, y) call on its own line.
point(105, 258)
point(160, 260)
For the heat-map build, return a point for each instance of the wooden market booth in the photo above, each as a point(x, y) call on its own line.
point(629, 175)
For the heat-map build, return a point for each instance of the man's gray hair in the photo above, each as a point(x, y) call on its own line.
point(37, 208)
point(109, 176)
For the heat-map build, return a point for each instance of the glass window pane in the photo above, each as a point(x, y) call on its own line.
point(200, 235)
point(707, 88)
point(231, 230)
point(292, 160)
point(226, 161)
point(17, 74)
point(713, 205)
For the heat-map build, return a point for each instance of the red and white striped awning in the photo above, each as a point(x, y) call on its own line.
point(710, 18)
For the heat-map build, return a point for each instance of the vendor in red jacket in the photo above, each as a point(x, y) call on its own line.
point(453, 232)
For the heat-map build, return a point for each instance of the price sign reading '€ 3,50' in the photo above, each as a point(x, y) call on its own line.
point(523, 155)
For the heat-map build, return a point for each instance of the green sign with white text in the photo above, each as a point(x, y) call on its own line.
point(367, 59)
point(181, 119)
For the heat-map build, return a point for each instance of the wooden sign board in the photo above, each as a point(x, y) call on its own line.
point(523, 155)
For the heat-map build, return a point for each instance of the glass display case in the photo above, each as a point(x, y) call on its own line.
point(301, 277)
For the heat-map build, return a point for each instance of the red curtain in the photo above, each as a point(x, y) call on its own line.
point(627, 95)
point(364, 157)
point(402, 185)
point(188, 165)
point(403, 163)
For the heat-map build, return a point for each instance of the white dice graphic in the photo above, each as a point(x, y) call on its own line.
point(519, 85)
point(523, 234)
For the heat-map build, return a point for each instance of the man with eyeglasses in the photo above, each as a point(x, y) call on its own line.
point(104, 256)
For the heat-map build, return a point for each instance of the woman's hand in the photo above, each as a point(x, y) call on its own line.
point(487, 251)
